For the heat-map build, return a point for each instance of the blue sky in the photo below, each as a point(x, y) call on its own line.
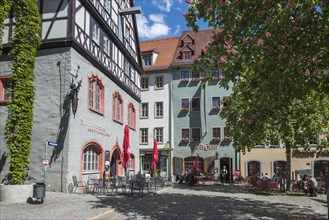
point(161, 18)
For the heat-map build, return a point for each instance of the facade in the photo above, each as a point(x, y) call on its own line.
point(88, 73)
point(156, 106)
point(198, 131)
point(263, 159)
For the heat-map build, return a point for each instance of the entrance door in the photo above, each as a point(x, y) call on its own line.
point(227, 162)
point(114, 163)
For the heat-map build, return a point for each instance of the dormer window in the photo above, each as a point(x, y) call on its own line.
point(147, 61)
point(186, 55)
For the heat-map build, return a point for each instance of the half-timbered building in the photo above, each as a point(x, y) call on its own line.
point(88, 71)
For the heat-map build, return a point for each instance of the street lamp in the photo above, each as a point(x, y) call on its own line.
point(130, 11)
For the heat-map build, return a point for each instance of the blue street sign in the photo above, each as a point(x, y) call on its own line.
point(52, 144)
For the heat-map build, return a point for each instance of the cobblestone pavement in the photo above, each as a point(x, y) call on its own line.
point(222, 202)
point(178, 202)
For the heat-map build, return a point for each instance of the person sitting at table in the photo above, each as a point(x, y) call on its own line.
point(179, 177)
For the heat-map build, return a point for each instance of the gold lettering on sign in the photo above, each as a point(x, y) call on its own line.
point(206, 147)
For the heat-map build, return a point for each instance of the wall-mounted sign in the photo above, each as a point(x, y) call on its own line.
point(94, 127)
point(206, 147)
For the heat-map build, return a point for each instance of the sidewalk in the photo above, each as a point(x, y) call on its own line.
point(58, 205)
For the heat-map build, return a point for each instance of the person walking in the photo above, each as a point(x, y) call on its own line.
point(313, 186)
point(223, 174)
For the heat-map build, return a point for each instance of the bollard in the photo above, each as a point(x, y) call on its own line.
point(327, 189)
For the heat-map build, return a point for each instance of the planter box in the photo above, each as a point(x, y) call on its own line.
point(15, 193)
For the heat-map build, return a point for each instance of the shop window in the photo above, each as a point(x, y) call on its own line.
point(145, 110)
point(143, 136)
point(209, 163)
point(4, 89)
point(253, 168)
point(117, 107)
point(96, 94)
point(131, 116)
point(91, 158)
point(178, 165)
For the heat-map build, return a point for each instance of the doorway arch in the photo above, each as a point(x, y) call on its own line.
point(116, 162)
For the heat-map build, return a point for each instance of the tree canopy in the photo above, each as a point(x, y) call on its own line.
point(276, 53)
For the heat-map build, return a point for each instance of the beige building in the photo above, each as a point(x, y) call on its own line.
point(270, 160)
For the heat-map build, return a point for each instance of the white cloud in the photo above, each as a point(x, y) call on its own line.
point(163, 5)
point(152, 27)
point(157, 18)
point(177, 31)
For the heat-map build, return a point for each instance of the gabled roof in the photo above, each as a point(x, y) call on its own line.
point(201, 40)
point(164, 47)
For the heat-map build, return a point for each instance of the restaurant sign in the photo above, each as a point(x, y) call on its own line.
point(206, 147)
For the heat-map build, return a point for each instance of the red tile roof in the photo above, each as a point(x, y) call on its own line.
point(200, 40)
point(164, 47)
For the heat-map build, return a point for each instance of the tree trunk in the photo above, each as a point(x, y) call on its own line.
point(288, 173)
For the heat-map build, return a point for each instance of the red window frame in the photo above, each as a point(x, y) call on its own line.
point(3, 79)
point(117, 107)
point(92, 101)
point(131, 116)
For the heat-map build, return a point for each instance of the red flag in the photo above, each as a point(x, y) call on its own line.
point(155, 156)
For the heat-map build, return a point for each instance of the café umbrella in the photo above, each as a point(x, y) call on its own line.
point(196, 164)
point(155, 156)
point(126, 147)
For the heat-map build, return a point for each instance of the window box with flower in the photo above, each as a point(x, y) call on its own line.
point(227, 138)
point(184, 139)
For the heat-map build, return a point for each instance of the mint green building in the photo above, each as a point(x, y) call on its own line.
point(198, 131)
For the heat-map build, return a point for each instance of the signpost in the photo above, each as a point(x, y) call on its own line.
point(45, 162)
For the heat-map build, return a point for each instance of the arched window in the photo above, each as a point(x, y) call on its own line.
point(253, 168)
point(96, 94)
point(280, 167)
point(117, 107)
point(91, 158)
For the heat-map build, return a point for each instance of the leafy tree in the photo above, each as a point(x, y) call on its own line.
point(24, 43)
point(276, 54)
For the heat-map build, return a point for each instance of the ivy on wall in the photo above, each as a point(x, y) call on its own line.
point(24, 43)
